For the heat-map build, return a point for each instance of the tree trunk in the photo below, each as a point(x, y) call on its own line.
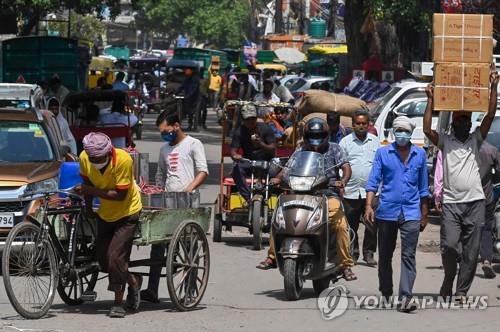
point(356, 43)
point(333, 18)
point(278, 16)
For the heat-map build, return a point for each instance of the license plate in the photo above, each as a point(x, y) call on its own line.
point(6, 219)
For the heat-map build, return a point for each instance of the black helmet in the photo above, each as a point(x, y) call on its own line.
point(316, 131)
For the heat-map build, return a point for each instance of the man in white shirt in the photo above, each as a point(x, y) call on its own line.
point(182, 167)
point(55, 108)
point(267, 96)
point(360, 148)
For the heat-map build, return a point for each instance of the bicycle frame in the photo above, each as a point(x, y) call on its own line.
point(47, 228)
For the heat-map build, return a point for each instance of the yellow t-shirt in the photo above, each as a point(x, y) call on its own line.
point(119, 174)
point(215, 83)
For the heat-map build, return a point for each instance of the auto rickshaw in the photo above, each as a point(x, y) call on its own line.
point(101, 66)
point(85, 110)
point(230, 207)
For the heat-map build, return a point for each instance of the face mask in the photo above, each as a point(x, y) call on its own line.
point(169, 137)
point(402, 138)
point(100, 166)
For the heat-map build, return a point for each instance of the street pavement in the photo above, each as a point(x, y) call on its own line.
point(240, 297)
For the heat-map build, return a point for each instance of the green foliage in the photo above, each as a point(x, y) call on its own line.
point(44, 6)
point(218, 22)
point(87, 27)
point(413, 13)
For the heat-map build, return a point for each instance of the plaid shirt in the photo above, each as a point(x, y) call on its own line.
point(334, 156)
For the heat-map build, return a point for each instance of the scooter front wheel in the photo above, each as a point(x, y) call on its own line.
point(293, 279)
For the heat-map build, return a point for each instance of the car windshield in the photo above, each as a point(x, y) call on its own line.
point(306, 163)
point(381, 104)
point(14, 103)
point(22, 142)
point(297, 85)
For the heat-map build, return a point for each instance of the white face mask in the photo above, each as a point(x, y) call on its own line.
point(100, 166)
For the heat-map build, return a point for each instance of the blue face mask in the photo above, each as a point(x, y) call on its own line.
point(169, 137)
point(402, 138)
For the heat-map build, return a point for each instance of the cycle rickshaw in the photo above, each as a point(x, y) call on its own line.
point(54, 250)
point(230, 208)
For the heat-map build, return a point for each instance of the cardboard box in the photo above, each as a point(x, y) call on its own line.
point(461, 86)
point(462, 38)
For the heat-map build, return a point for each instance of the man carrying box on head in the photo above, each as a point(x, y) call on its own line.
point(463, 196)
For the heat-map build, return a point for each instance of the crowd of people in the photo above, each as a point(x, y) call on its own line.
point(384, 187)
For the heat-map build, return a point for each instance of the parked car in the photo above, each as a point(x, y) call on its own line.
point(414, 109)
point(308, 83)
point(32, 149)
point(289, 80)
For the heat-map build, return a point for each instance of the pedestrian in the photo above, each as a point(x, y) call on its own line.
point(400, 170)
point(489, 161)
point(182, 167)
point(360, 148)
point(108, 173)
point(55, 108)
point(463, 196)
point(204, 91)
point(191, 88)
point(337, 130)
point(214, 89)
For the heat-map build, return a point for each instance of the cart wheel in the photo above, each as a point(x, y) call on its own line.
point(257, 224)
point(30, 274)
point(217, 236)
point(188, 265)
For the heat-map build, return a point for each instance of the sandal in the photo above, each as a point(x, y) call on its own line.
point(267, 264)
point(349, 275)
point(116, 311)
point(134, 294)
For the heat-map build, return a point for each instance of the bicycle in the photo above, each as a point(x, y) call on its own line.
point(42, 258)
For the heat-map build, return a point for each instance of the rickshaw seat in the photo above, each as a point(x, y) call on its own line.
point(111, 130)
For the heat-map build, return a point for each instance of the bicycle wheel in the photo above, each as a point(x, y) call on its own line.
point(30, 272)
point(81, 278)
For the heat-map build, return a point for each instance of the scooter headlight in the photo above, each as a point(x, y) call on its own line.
point(279, 219)
point(496, 247)
point(315, 219)
point(301, 183)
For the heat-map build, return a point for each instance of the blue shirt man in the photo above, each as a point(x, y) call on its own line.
point(401, 169)
point(118, 84)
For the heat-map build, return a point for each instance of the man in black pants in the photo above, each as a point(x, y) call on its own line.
point(360, 148)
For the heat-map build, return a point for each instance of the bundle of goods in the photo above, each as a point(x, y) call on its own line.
point(462, 52)
point(319, 101)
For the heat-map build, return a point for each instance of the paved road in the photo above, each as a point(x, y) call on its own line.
point(242, 298)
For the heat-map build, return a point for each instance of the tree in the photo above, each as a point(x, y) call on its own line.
point(82, 26)
point(221, 23)
point(397, 29)
point(30, 11)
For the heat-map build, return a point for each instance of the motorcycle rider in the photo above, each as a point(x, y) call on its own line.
point(316, 139)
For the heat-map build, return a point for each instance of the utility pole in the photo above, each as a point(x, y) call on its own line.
point(278, 16)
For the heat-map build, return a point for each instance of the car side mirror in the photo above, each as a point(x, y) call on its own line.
point(388, 122)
